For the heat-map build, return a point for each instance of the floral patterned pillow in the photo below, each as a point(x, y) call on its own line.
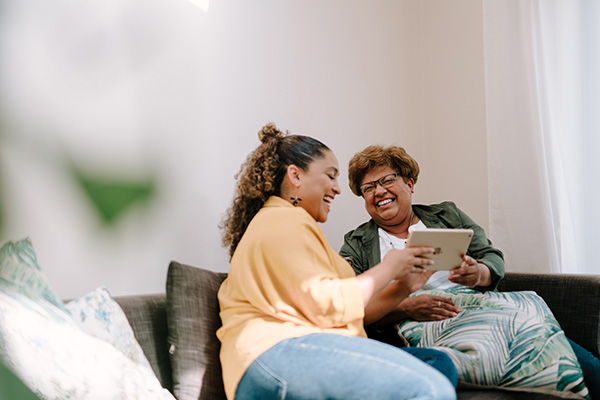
point(97, 314)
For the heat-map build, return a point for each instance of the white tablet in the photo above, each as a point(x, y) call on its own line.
point(449, 245)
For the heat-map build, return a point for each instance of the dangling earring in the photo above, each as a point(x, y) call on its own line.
point(295, 200)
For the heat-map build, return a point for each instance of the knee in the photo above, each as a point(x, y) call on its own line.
point(445, 365)
point(438, 360)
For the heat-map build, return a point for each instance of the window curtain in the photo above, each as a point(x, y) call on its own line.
point(542, 69)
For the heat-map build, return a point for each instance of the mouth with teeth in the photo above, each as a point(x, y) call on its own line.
point(328, 199)
point(384, 202)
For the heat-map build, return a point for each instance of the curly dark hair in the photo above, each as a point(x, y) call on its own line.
point(261, 175)
point(375, 156)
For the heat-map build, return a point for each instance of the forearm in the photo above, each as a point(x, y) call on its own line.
point(393, 317)
point(372, 283)
point(386, 305)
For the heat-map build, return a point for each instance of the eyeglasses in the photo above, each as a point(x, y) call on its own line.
point(386, 181)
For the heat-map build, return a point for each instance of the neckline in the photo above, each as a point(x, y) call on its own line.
point(389, 235)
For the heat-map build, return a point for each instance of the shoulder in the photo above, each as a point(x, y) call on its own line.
point(445, 206)
point(279, 229)
point(440, 215)
point(366, 229)
point(278, 216)
point(278, 222)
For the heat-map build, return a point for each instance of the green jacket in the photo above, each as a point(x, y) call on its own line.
point(361, 245)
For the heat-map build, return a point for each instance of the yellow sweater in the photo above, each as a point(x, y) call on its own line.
point(285, 281)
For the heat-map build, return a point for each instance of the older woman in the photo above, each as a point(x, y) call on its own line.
point(292, 308)
point(385, 177)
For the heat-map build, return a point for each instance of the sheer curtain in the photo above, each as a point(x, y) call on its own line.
point(542, 74)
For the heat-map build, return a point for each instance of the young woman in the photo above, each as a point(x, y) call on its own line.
point(293, 309)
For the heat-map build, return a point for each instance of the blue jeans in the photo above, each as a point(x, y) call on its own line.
point(328, 366)
point(590, 366)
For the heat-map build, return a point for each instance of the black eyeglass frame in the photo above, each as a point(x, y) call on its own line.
point(373, 184)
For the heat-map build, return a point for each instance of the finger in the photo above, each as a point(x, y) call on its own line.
point(463, 270)
point(446, 300)
point(448, 305)
point(422, 261)
point(418, 269)
point(418, 251)
point(469, 260)
point(442, 305)
point(460, 270)
point(442, 315)
point(449, 309)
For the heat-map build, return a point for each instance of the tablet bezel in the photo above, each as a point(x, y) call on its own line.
point(452, 244)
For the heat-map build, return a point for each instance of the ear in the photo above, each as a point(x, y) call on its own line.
point(411, 185)
point(293, 175)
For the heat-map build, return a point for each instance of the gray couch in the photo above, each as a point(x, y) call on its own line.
point(176, 328)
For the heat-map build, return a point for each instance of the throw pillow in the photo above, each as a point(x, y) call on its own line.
point(42, 344)
point(506, 340)
point(20, 273)
point(97, 314)
point(193, 319)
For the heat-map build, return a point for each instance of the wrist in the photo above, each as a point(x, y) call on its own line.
point(485, 277)
point(478, 275)
point(401, 310)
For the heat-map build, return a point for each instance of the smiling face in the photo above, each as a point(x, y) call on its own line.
point(318, 186)
point(390, 207)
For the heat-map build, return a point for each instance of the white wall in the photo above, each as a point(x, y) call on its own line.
point(158, 87)
point(453, 146)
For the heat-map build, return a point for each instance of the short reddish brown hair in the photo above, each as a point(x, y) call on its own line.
point(376, 156)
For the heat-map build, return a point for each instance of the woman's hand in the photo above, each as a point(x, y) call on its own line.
point(471, 273)
point(379, 291)
point(407, 260)
point(427, 307)
point(414, 282)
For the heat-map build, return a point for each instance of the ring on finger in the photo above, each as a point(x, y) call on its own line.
point(439, 304)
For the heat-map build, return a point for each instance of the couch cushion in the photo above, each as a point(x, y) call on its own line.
point(83, 351)
point(193, 319)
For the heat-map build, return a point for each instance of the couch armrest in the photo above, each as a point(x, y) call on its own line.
point(574, 299)
point(147, 316)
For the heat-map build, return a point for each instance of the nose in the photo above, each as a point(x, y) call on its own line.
point(336, 187)
point(379, 189)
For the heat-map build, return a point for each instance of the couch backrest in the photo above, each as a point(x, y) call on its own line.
point(574, 300)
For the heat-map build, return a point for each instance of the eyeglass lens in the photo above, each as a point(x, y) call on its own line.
point(384, 181)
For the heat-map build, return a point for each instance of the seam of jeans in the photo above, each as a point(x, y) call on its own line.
point(279, 379)
point(354, 354)
point(348, 352)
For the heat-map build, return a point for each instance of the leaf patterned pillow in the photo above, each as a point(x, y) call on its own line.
point(508, 340)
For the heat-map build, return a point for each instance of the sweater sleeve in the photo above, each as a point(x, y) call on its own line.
point(300, 278)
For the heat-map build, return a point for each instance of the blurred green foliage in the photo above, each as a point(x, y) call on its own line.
point(110, 196)
point(3, 188)
point(11, 387)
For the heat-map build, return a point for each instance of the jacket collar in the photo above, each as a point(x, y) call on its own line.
point(427, 214)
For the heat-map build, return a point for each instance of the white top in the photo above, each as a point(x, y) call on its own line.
point(438, 280)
